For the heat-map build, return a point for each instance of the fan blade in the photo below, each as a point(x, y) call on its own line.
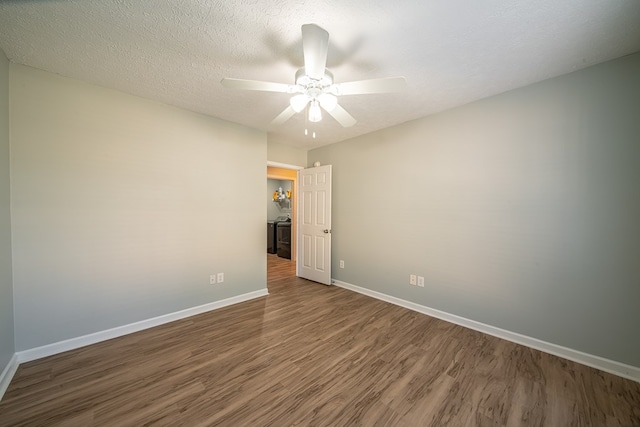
point(284, 116)
point(315, 43)
point(257, 85)
point(342, 117)
point(361, 87)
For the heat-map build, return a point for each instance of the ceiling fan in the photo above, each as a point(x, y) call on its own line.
point(314, 85)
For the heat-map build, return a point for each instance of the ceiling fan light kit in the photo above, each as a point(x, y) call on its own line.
point(328, 102)
point(314, 84)
point(315, 114)
point(298, 102)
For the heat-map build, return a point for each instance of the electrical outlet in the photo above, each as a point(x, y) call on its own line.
point(421, 281)
point(212, 279)
point(220, 277)
point(341, 263)
point(412, 279)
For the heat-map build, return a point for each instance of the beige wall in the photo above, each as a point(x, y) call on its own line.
point(7, 347)
point(521, 211)
point(286, 154)
point(123, 207)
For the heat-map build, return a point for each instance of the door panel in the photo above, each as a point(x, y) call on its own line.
point(314, 241)
point(320, 247)
point(306, 250)
point(321, 207)
point(307, 213)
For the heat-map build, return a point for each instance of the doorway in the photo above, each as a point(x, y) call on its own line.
point(288, 175)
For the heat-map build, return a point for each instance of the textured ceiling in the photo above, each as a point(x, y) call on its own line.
point(451, 52)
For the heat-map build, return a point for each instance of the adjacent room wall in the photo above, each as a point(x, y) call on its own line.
point(521, 211)
point(7, 347)
point(274, 209)
point(286, 154)
point(123, 207)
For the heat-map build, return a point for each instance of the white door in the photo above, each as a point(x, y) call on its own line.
point(314, 224)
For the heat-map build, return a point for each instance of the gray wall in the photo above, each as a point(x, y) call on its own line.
point(275, 210)
point(521, 211)
point(123, 207)
point(272, 208)
point(7, 347)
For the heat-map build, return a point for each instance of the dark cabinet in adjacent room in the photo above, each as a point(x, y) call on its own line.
point(284, 239)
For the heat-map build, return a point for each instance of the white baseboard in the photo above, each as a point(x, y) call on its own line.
point(7, 374)
point(606, 365)
point(73, 343)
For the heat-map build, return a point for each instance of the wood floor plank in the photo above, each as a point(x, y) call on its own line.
point(313, 355)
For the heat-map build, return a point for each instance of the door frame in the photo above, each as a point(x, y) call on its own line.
point(286, 172)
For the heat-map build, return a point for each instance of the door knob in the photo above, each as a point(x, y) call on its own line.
point(326, 231)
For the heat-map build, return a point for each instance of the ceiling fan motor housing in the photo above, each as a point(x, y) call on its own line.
point(302, 79)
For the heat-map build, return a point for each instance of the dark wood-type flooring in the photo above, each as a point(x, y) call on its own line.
point(312, 355)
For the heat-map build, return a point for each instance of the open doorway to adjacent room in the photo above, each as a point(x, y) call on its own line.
point(281, 203)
